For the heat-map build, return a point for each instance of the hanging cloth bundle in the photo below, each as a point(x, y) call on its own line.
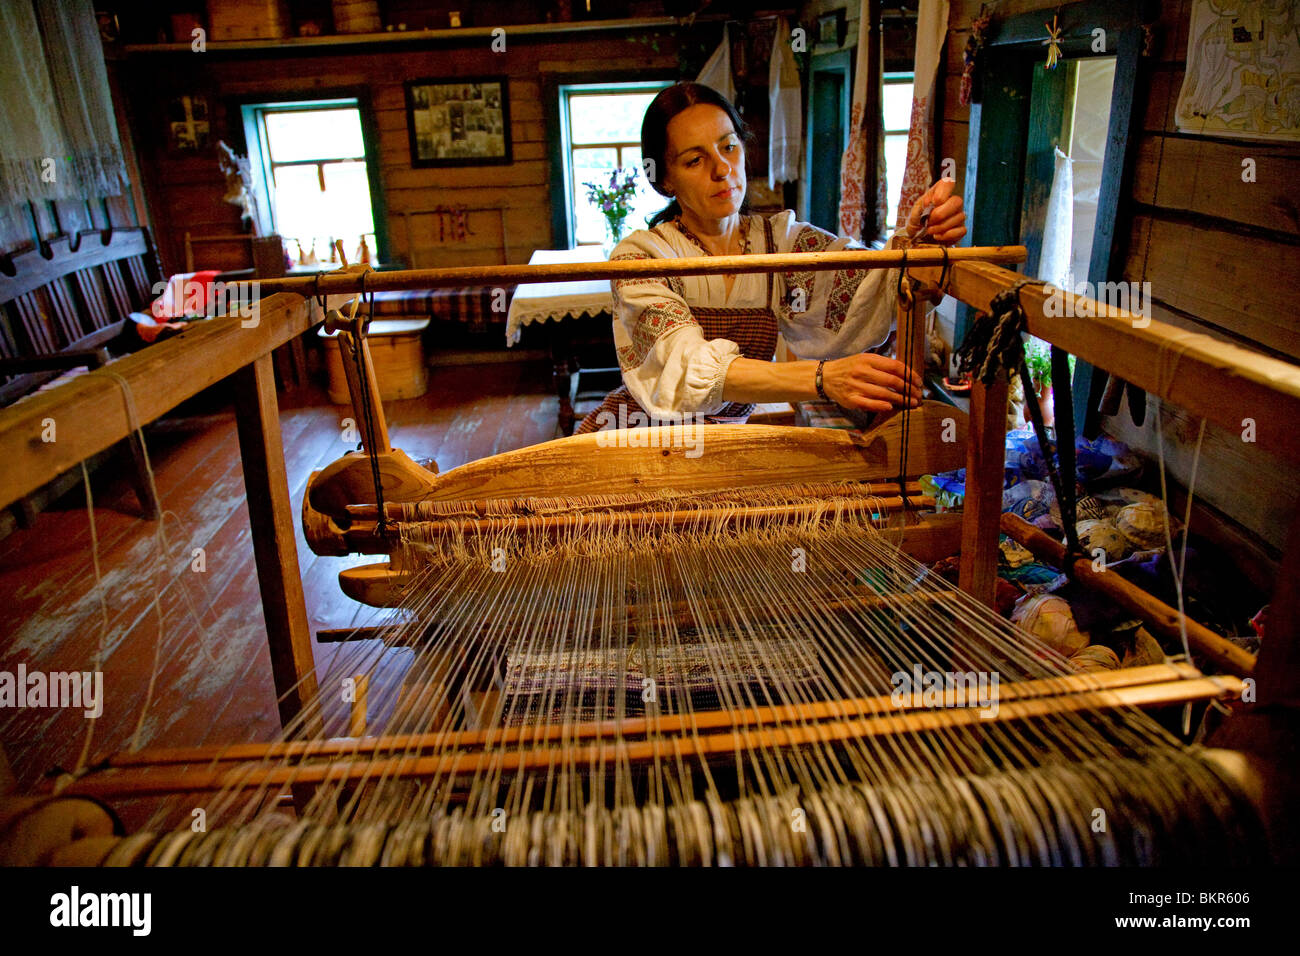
point(995, 343)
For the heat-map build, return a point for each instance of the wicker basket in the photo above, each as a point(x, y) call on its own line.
point(398, 357)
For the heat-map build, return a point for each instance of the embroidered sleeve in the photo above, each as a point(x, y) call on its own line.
point(829, 314)
point(667, 364)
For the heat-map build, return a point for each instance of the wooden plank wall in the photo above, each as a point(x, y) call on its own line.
point(190, 187)
point(1220, 255)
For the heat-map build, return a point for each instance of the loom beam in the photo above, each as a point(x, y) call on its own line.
point(927, 538)
point(447, 755)
point(659, 459)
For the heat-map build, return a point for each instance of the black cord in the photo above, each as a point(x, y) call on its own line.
point(368, 410)
point(906, 340)
point(1064, 415)
point(994, 344)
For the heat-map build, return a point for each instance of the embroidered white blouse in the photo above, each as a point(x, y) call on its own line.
point(668, 365)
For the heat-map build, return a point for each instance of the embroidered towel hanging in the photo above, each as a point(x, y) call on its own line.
point(717, 72)
point(931, 30)
point(786, 125)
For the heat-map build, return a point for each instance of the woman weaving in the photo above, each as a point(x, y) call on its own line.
point(703, 345)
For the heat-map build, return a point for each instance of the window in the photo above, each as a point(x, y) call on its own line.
point(897, 92)
point(312, 157)
point(601, 126)
point(1088, 114)
point(1025, 114)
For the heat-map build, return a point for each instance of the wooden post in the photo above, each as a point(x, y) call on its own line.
point(1279, 654)
point(913, 301)
point(274, 547)
point(375, 440)
point(7, 782)
point(359, 714)
point(982, 511)
point(563, 361)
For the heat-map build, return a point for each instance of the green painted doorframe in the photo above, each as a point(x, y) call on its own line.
point(1001, 146)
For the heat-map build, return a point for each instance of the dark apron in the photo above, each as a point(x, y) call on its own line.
point(753, 330)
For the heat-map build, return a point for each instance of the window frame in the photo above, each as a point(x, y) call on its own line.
point(250, 109)
point(271, 164)
point(894, 78)
point(839, 62)
point(555, 94)
point(995, 171)
point(566, 92)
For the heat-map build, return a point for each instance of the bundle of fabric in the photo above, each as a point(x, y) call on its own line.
point(187, 297)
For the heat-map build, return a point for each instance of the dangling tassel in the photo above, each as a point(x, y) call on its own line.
point(1053, 44)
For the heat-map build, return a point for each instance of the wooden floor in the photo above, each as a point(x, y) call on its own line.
point(179, 633)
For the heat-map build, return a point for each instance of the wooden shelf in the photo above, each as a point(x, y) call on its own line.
point(388, 37)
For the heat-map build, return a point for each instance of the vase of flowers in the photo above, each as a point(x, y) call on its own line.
point(614, 201)
point(1038, 356)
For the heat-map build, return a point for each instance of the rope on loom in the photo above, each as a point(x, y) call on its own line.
point(995, 343)
point(1168, 358)
point(163, 547)
point(103, 607)
point(367, 407)
point(907, 300)
point(1177, 567)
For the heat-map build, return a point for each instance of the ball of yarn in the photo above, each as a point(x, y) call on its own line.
point(1014, 554)
point(1005, 595)
point(1097, 533)
point(1094, 658)
point(1143, 523)
point(1035, 502)
point(1050, 619)
point(1133, 496)
point(1146, 650)
point(1091, 506)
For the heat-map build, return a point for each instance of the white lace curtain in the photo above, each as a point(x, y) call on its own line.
point(58, 136)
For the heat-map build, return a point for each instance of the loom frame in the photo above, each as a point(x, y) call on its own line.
point(1222, 382)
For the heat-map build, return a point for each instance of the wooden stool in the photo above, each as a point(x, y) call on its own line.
point(398, 354)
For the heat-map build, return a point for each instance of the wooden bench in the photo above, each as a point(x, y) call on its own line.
point(61, 305)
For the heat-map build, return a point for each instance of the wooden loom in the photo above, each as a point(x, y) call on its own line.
point(341, 515)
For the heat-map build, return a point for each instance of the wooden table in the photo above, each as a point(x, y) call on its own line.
point(577, 317)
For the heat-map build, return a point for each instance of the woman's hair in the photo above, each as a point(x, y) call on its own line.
point(654, 133)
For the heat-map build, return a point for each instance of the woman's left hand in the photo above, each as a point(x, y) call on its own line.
point(947, 222)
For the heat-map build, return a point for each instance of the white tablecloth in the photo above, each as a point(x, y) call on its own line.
point(556, 301)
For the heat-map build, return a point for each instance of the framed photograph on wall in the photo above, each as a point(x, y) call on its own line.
point(187, 124)
point(831, 29)
point(458, 122)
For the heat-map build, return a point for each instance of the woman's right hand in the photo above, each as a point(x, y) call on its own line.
point(871, 382)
